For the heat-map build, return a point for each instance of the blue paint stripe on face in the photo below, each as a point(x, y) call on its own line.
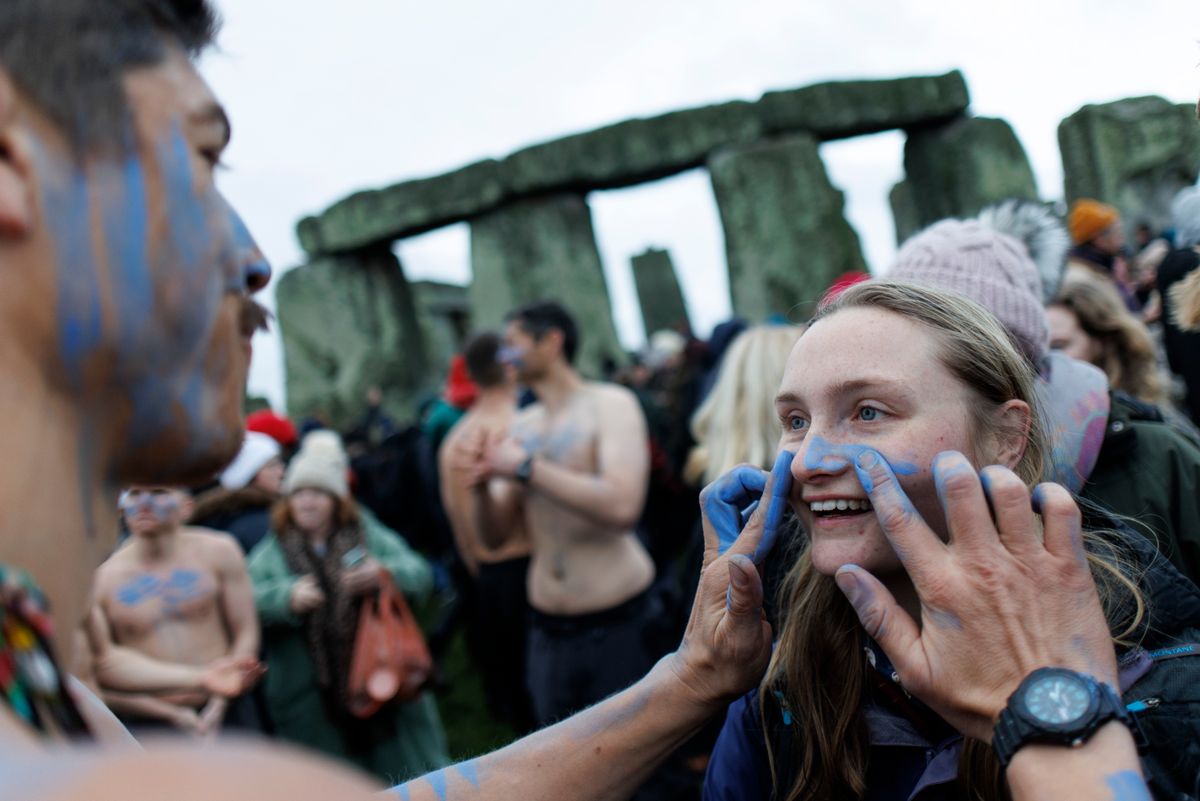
point(80, 318)
point(190, 228)
point(125, 227)
point(404, 791)
point(823, 455)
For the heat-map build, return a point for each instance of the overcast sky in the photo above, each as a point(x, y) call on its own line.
point(327, 98)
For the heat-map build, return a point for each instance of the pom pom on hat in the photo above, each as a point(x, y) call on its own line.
point(257, 450)
point(989, 267)
point(273, 425)
point(321, 463)
point(1089, 218)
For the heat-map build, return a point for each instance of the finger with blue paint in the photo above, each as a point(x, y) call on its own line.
point(774, 503)
point(724, 503)
point(916, 545)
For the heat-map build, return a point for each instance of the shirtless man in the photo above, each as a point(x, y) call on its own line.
point(178, 595)
point(498, 607)
point(574, 470)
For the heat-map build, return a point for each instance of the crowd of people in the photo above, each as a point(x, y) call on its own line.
point(909, 548)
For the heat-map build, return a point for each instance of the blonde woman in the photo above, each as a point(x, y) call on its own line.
point(1089, 322)
point(736, 423)
point(915, 390)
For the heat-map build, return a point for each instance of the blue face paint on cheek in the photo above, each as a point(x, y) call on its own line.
point(66, 208)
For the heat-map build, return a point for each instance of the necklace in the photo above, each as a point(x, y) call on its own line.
point(30, 682)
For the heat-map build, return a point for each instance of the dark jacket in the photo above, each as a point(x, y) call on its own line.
point(244, 513)
point(1182, 347)
point(910, 759)
point(1149, 472)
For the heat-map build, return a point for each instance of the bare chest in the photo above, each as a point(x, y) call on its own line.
point(565, 441)
point(139, 601)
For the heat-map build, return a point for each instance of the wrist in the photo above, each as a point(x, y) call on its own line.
point(1111, 750)
point(524, 471)
point(682, 681)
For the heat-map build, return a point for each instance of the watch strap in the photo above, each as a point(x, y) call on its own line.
point(525, 470)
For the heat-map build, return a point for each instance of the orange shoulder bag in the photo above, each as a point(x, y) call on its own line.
point(390, 658)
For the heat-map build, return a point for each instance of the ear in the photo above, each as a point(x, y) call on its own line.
point(16, 168)
point(1013, 420)
point(186, 507)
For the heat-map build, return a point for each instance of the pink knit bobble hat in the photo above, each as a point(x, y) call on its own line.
point(990, 268)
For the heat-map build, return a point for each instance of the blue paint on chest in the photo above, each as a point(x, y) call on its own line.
point(177, 588)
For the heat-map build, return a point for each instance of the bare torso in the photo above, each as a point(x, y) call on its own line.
point(578, 565)
point(458, 495)
point(171, 609)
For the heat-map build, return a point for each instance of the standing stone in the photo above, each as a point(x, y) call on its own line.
point(444, 316)
point(544, 248)
point(785, 237)
point(658, 292)
point(349, 323)
point(954, 170)
point(1135, 154)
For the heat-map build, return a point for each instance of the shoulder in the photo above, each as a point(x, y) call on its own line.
point(216, 547)
point(614, 398)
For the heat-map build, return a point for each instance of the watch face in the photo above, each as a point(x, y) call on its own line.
point(1057, 699)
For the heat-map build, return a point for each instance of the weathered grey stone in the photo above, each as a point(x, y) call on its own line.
point(954, 170)
point(543, 249)
point(785, 237)
point(444, 314)
point(349, 323)
point(659, 295)
point(1135, 154)
point(905, 217)
point(404, 209)
point(841, 109)
point(630, 152)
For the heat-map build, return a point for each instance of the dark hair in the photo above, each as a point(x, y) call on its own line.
point(538, 319)
point(481, 355)
point(68, 57)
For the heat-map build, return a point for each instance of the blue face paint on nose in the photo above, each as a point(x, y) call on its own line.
point(821, 454)
point(252, 270)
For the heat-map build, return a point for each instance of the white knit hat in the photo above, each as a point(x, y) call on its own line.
point(321, 463)
point(257, 450)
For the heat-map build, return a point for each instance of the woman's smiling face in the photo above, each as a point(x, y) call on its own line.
point(867, 379)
